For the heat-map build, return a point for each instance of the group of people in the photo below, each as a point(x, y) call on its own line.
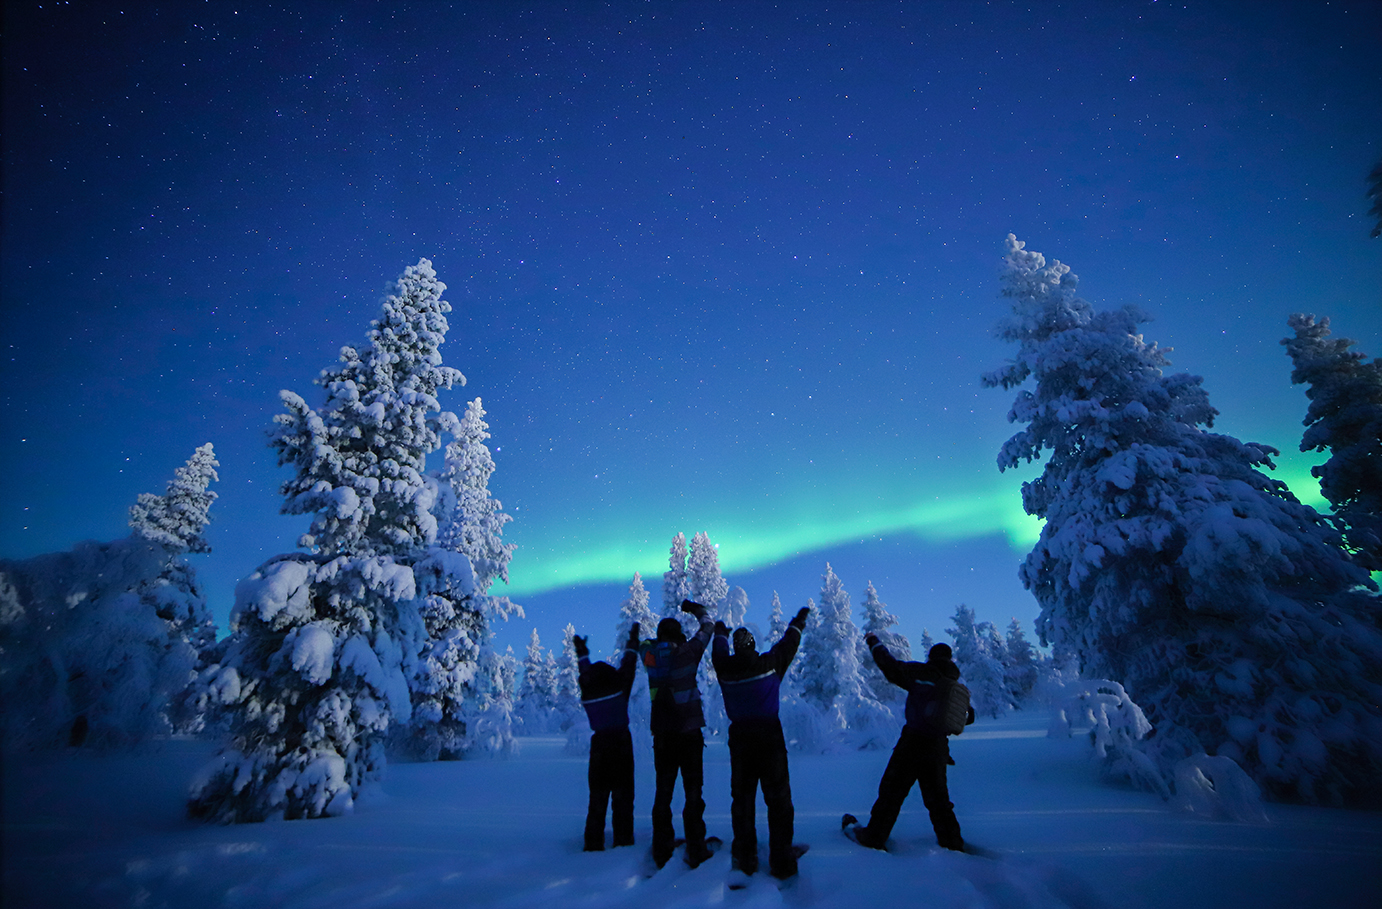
point(750, 682)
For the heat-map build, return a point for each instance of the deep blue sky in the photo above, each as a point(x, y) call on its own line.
point(715, 266)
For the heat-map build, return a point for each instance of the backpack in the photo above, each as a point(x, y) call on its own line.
point(938, 708)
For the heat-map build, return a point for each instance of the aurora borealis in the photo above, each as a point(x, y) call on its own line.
point(719, 267)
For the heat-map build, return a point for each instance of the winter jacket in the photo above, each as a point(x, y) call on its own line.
point(671, 669)
point(606, 701)
point(750, 682)
point(917, 679)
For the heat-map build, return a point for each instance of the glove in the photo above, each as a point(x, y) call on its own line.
point(722, 629)
point(871, 639)
point(800, 619)
point(696, 609)
point(581, 649)
point(633, 634)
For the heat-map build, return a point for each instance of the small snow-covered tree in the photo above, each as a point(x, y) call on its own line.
point(570, 715)
point(324, 642)
point(735, 608)
point(1344, 418)
point(981, 668)
point(635, 609)
point(927, 642)
point(98, 644)
point(1169, 562)
point(777, 623)
point(1022, 669)
point(536, 701)
point(878, 620)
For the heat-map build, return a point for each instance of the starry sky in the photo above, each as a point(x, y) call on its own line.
point(723, 267)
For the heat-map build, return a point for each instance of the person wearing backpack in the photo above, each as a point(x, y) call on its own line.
point(605, 697)
point(677, 718)
point(922, 753)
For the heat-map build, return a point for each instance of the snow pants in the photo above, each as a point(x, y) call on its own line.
point(920, 759)
point(758, 756)
point(673, 753)
point(611, 782)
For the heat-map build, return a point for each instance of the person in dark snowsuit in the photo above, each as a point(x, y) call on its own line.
point(750, 682)
point(677, 718)
point(921, 754)
point(605, 697)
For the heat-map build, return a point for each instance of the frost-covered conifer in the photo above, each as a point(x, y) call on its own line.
point(634, 609)
point(830, 657)
point(1021, 671)
point(777, 623)
point(536, 700)
point(98, 644)
point(459, 617)
point(981, 668)
point(324, 642)
point(735, 608)
point(927, 642)
point(676, 584)
point(703, 572)
point(878, 620)
point(1168, 562)
point(1345, 418)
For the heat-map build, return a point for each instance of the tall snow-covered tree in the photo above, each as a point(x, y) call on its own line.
point(676, 584)
point(98, 644)
point(634, 609)
point(1345, 419)
point(324, 642)
point(459, 617)
point(981, 667)
point(830, 657)
point(878, 620)
point(703, 572)
point(1169, 562)
point(777, 622)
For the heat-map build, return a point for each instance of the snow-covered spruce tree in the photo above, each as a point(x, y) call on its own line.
point(981, 668)
point(570, 715)
point(676, 585)
point(927, 642)
point(777, 622)
point(1168, 562)
point(703, 573)
point(735, 608)
point(1023, 667)
point(98, 644)
point(635, 609)
point(324, 641)
point(1344, 418)
point(878, 620)
point(459, 615)
point(535, 704)
point(830, 677)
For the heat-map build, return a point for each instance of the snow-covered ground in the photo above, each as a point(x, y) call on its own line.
point(83, 831)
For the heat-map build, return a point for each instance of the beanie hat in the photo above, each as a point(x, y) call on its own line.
point(744, 642)
point(940, 653)
point(669, 629)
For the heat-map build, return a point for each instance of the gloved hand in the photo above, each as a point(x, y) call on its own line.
point(799, 619)
point(696, 609)
point(722, 629)
point(871, 639)
point(633, 635)
point(580, 644)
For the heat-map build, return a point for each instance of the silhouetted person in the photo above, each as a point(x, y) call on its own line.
point(605, 697)
point(677, 718)
point(750, 682)
point(922, 752)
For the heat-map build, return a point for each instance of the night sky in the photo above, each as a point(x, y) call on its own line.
point(728, 267)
